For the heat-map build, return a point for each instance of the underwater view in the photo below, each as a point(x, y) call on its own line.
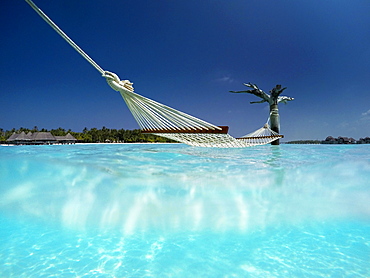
point(170, 210)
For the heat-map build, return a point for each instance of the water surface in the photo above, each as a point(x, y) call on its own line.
point(170, 210)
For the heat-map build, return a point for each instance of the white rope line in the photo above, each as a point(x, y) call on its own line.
point(140, 119)
point(65, 37)
point(268, 119)
point(154, 120)
point(178, 115)
point(158, 116)
point(184, 120)
point(158, 122)
point(167, 116)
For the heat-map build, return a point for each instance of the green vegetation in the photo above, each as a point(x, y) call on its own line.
point(94, 135)
point(304, 142)
point(332, 140)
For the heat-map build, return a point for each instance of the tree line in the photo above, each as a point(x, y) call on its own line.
point(304, 142)
point(94, 135)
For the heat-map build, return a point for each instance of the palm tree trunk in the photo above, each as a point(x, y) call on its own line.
point(275, 121)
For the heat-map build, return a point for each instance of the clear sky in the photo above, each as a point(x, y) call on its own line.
point(189, 55)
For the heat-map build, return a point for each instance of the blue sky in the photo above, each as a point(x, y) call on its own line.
point(189, 55)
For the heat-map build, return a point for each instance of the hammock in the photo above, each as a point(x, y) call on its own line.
point(159, 119)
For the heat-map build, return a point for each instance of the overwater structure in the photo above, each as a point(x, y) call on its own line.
point(39, 138)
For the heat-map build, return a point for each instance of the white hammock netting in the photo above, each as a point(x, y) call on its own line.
point(159, 119)
point(224, 140)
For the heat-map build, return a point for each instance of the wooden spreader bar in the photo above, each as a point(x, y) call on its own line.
point(261, 137)
point(224, 130)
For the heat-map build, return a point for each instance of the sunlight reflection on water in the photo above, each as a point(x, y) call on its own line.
point(162, 189)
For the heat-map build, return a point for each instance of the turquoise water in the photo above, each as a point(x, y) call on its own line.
point(170, 210)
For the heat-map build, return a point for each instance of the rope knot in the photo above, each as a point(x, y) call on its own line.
point(117, 84)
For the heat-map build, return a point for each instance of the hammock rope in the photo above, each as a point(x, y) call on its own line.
point(64, 36)
point(162, 120)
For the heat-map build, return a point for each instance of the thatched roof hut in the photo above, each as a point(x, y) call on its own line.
point(68, 139)
point(23, 137)
point(43, 137)
point(12, 137)
point(40, 138)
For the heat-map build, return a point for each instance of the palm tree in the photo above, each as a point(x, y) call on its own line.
point(273, 99)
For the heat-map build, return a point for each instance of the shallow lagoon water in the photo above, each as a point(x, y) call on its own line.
point(170, 210)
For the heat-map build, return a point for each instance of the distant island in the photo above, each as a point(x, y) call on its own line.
point(93, 135)
point(332, 140)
